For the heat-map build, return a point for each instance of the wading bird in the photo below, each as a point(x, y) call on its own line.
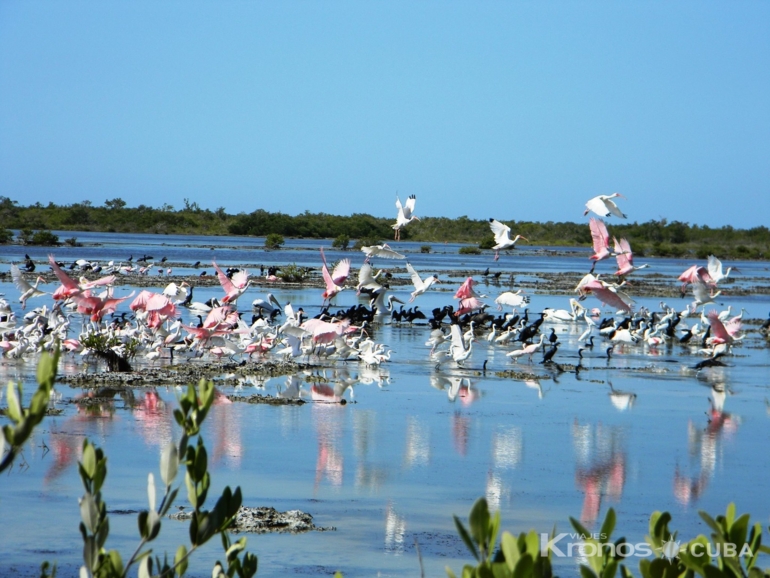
point(405, 215)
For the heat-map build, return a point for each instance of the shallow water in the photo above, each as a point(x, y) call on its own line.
point(414, 445)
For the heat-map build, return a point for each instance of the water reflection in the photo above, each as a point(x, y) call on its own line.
point(328, 423)
point(600, 467)
point(93, 419)
point(227, 431)
point(417, 452)
point(395, 531)
point(507, 447)
point(705, 445)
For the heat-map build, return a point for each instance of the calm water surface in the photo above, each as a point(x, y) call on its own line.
point(414, 445)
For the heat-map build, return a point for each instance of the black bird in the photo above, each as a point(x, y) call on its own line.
point(497, 275)
point(548, 355)
point(610, 349)
point(710, 362)
point(485, 273)
point(131, 258)
point(590, 343)
point(196, 264)
point(765, 327)
point(164, 259)
point(553, 338)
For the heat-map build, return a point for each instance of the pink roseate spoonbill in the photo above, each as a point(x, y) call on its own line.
point(27, 291)
point(502, 237)
point(466, 290)
point(405, 215)
point(468, 304)
point(625, 258)
point(97, 307)
point(420, 285)
point(719, 332)
point(609, 295)
point(335, 281)
point(604, 206)
point(234, 287)
point(696, 273)
point(383, 251)
point(715, 269)
point(68, 286)
point(601, 241)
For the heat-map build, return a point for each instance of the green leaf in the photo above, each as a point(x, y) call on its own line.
point(89, 512)
point(151, 491)
point(610, 569)
point(579, 528)
point(141, 521)
point(524, 566)
point(180, 560)
point(479, 521)
point(586, 572)
point(730, 515)
point(169, 463)
point(711, 523)
point(533, 544)
point(739, 530)
point(608, 526)
point(89, 460)
point(144, 568)
point(510, 550)
point(192, 494)
point(14, 407)
point(466, 537)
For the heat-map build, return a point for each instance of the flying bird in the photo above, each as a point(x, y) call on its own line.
point(420, 285)
point(625, 258)
point(27, 291)
point(335, 281)
point(405, 215)
point(383, 251)
point(234, 286)
point(601, 241)
point(502, 237)
point(604, 206)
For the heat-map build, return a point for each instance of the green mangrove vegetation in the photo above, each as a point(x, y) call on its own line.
point(661, 238)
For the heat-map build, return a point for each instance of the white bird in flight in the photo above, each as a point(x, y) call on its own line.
point(604, 206)
point(502, 237)
point(405, 215)
point(420, 285)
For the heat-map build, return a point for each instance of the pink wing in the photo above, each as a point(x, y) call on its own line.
point(718, 332)
point(216, 316)
point(468, 304)
point(140, 303)
point(466, 290)
point(65, 279)
point(240, 279)
point(341, 272)
point(600, 236)
point(607, 296)
point(86, 284)
point(227, 285)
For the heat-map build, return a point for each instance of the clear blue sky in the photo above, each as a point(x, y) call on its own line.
point(517, 110)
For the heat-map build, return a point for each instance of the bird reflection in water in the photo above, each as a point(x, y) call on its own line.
point(601, 466)
point(417, 452)
point(328, 425)
point(705, 444)
point(153, 418)
point(227, 431)
point(395, 531)
point(94, 419)
point(507, 446)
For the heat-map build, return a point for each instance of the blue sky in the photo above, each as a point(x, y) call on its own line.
point(517, 110)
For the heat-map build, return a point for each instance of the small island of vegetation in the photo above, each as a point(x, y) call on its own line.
point(660, 238)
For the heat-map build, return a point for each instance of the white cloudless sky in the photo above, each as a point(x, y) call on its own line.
point(516, 110)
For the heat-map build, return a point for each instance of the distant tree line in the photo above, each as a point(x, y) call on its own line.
point(653, 238)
